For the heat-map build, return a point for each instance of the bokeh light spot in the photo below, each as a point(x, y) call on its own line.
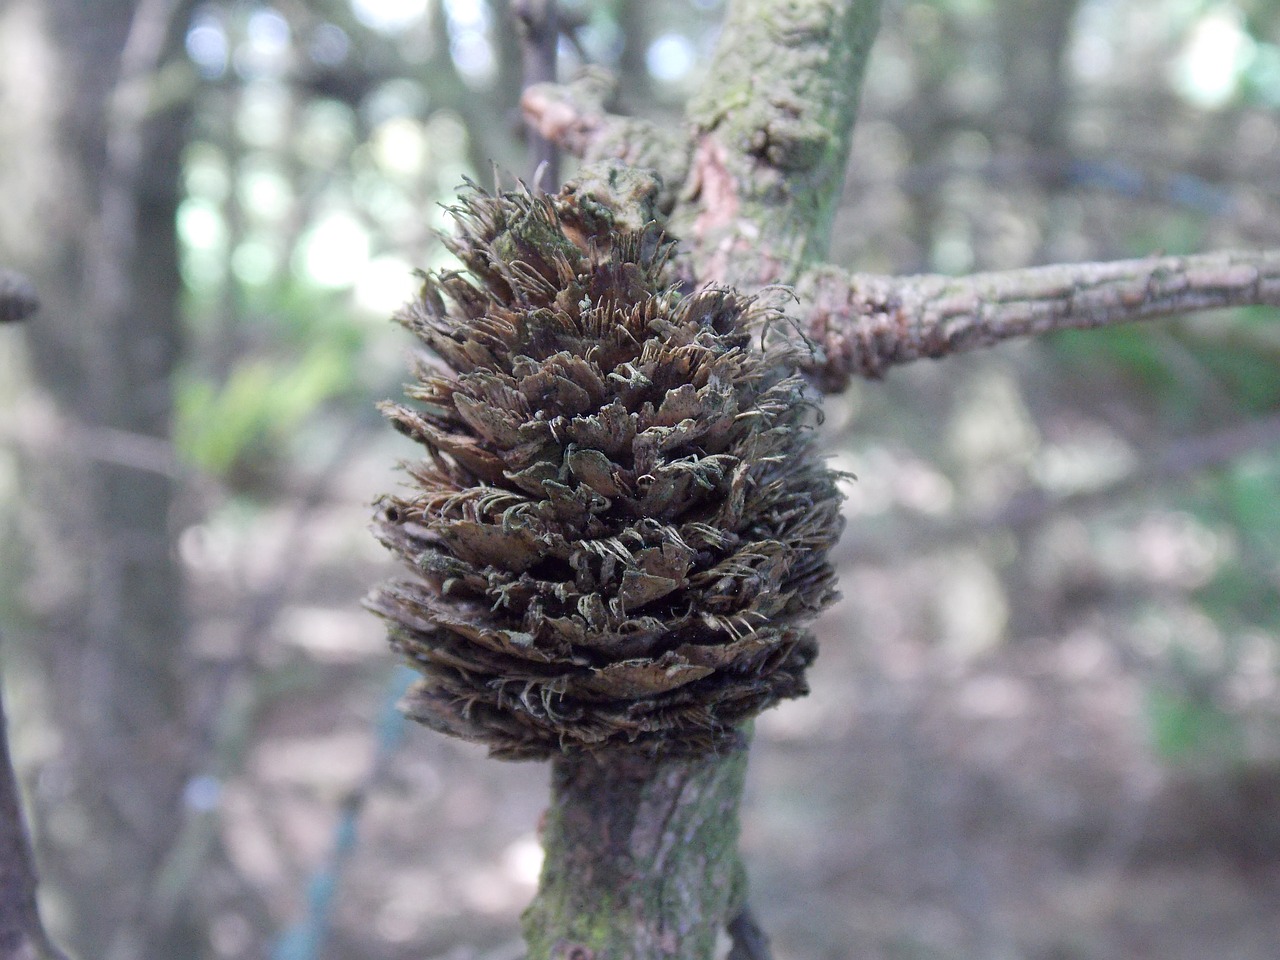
point(334, 252)
point(389, 16)
point(670, 57)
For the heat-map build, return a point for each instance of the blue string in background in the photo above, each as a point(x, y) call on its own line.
point(306, 939)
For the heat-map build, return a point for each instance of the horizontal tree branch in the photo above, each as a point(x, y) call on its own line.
point(573, 117)
point(865, 323)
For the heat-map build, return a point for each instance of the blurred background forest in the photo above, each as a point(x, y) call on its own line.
point(1045, 722)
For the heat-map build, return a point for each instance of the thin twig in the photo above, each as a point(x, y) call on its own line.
point(1186, 456)
point(306, 939)
point(42, 428)
point(573, 115)
point(226, 710)
point(865, 324)
point(1027, 510)
point(17, 296)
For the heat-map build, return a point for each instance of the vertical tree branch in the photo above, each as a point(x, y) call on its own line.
point(22, 935)
point(642, 858)
point(772, 128)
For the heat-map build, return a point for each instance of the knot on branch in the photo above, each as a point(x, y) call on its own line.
point(858, 328)
point(787, 139)
point(18, 298)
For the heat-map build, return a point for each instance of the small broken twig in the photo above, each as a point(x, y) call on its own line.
point(17, 297)
point(574, 117)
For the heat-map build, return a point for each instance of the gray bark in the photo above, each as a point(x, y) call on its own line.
point(864, 324)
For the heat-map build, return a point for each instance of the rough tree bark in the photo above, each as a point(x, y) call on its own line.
point(751, 183)
point(642, 857)
point(866, 324)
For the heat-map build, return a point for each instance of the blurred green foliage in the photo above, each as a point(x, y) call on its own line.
point(1173, 366)
point(252, 414)
point(1245, 497)
point(1187, 729)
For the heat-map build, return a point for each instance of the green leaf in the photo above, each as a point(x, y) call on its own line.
point(253, 412)
point(1184, 729)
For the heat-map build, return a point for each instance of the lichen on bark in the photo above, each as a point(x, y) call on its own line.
point(772, 126)
point(642, 860)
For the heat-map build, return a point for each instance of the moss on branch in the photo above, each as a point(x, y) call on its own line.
point(642, 860)
point(772, 127)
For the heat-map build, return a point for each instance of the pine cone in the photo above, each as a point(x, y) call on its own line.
point(621, 525)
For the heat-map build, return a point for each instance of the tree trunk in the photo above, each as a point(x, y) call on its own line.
point(91, 180)
point(771, 129)
point(641, 854)
point(642, 858)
